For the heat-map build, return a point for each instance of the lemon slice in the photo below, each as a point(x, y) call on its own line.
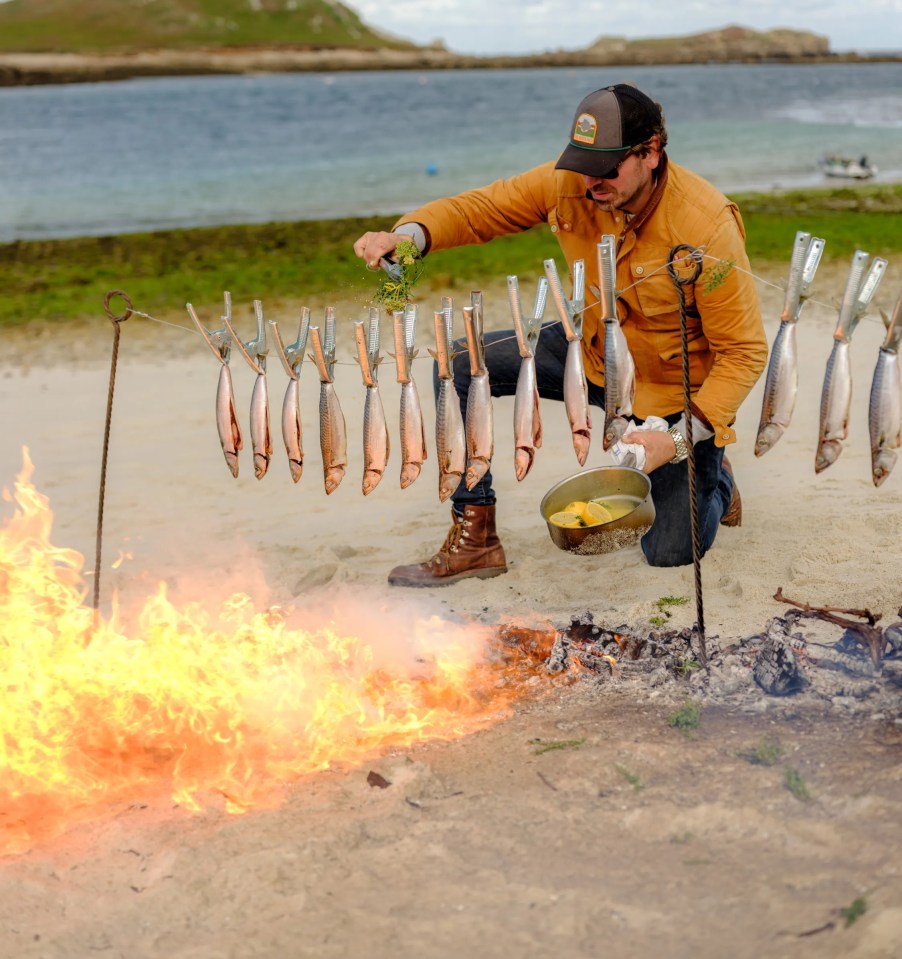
point(595, 513)
point(566, 519)
point(577, 506)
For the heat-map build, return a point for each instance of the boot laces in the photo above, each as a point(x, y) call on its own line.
point(452, 540)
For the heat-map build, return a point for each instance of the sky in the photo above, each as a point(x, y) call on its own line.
point(529, 26)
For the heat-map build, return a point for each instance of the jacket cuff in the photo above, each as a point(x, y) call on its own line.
point(417, 232)
point(700, 431)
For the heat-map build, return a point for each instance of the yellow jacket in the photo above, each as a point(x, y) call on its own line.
point(727, 345)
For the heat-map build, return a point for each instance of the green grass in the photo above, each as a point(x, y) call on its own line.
point(113, 26)
point(54, 281)
point(862, 217)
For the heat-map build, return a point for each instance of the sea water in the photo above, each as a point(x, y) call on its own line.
point(147, 154)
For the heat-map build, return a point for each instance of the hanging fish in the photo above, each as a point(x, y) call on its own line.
point(782, 381)
point(885, 405)
point(576, 390)
point(619, 368)
point(450, 435)
point(479, 424)
point(413, 432)
point(332, 429)
point(292, 358)
point(254, 352)
point(836, 395)
point(375, 429)
point(527, 417)
point(220, 342)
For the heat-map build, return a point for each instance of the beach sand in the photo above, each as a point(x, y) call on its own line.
point(643, 841)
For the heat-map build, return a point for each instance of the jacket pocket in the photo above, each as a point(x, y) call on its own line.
point(656, 294)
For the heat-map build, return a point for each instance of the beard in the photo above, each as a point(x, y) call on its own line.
point(614, 200)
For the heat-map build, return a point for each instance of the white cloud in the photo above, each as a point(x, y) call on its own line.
point(524, 26)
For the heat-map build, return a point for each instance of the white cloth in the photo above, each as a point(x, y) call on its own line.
point(620, 449)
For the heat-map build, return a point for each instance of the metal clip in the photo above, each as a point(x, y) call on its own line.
point(569, 311)
point(292, 356)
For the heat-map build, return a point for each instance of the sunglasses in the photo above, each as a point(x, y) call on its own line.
point(616, 171)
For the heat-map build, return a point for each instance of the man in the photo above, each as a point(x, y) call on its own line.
point(614, 177)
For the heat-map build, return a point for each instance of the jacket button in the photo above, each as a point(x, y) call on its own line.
point(726, 436)
point(566, 226)
point(640, 270)
point(554, 229)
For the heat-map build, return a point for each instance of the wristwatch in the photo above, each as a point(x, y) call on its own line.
point(682, 450)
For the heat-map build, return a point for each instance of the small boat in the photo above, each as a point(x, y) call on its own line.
point(839, 166)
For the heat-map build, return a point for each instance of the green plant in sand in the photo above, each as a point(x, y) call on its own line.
point(795, 783)
point(664, 604)
point(395, 294)
point(688, 716)
point(765, 753)
point(857, 908)
point(631, 778)
point(551, 745)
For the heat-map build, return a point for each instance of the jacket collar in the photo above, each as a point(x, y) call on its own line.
point(655, 198)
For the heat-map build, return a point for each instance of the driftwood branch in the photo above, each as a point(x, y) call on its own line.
point(872, 618)
point(868, 634)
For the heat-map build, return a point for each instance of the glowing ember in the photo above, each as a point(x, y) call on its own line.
point(228, 702)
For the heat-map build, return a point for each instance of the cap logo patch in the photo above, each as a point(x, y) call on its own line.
point(586, 129)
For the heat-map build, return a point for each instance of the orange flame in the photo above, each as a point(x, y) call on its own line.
point(229, 702)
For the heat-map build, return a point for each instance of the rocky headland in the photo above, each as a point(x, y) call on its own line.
point(733, 44)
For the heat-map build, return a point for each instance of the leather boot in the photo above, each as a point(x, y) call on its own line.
point(471, 548)
point(733, 515)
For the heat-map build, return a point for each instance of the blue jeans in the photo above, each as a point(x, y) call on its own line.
point(669, 541)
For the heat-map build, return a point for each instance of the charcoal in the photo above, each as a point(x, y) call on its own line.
point(777, 670)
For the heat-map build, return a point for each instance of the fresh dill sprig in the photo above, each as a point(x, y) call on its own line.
point(715, 274)
point(396, 294)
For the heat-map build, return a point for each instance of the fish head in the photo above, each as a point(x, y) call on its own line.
point(827, 454)
point(883, 464)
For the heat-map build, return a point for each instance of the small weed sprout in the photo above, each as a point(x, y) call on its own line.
point(765, 753)
point(855, 910)
point(559, 744)
point(631, 778)
point(686, 667)
point(794, 782)
point(665, 601)
point(663, 604)
point(688, 716)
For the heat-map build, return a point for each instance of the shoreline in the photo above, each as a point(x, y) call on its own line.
point(35, 69)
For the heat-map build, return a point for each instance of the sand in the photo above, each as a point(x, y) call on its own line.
point(639, 841)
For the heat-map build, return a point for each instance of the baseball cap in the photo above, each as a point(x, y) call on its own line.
point(608, 123)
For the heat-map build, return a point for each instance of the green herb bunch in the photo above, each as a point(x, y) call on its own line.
point(396, 294)
point(716, 274)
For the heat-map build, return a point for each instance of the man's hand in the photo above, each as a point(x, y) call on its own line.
point(659, 447)
point(371, 247)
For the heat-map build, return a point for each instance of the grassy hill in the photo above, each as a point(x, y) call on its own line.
point(117, 26)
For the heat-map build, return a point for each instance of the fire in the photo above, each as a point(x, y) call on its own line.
point(207, 700)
